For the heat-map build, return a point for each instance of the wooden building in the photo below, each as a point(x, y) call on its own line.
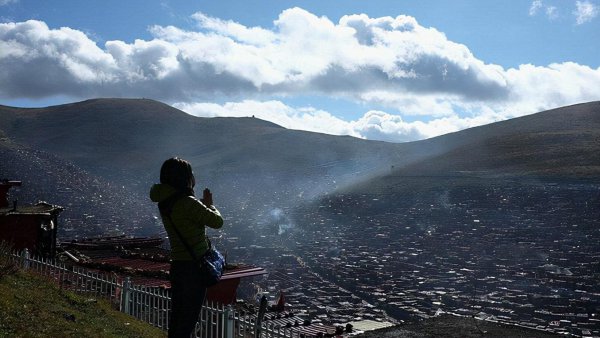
point(32, 227)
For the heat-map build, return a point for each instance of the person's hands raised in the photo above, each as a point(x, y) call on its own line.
point(207, 197)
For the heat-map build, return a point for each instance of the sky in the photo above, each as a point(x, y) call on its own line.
point(390, 70)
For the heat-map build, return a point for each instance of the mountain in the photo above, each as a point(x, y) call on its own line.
point(131, 138)
point(560, 142)
point(258, 165)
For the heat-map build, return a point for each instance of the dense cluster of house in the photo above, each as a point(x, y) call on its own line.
point(525, 254)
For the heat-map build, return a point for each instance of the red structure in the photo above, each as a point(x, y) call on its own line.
point(32, 227)
point(146, 263)
point(225, 291)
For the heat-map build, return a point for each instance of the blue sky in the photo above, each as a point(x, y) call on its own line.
point(386, 70)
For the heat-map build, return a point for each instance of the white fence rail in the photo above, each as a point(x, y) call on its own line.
point(151, 305)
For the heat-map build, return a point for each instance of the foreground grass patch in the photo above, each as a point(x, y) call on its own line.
point(32, 306)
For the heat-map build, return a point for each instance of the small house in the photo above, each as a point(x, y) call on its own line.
point(31, 227)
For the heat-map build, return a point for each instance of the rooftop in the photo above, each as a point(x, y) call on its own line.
point(42, 208)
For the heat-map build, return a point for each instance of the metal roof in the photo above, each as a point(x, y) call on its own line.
point(370, 325)
point(42, 208)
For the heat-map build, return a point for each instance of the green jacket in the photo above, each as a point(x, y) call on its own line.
point(190, 216)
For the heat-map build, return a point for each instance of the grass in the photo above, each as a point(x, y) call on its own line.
point(33, 306)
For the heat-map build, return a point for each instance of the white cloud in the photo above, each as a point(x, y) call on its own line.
point(538, 88)
point(392, 63)
point(253, 35)
point(552, 12)
point(302, 54)
point(536, 5)
point(144, 60)
point(585, 11)
point(38, 62)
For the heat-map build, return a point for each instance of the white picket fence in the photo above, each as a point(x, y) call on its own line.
point(148, 304)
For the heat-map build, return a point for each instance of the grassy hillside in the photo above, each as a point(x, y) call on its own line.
point(33, 306)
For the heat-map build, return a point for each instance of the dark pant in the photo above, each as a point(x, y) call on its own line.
point(187, 297)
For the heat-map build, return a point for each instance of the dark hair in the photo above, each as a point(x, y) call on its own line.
point(178, 173)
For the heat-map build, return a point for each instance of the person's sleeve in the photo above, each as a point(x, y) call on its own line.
point(209, 216)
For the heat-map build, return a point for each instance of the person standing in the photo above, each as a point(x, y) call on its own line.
point(184, 218)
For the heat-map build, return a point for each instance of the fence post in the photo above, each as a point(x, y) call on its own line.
point(261, 313)
point(228, 315)
point(126, 296)
point(26, 257)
